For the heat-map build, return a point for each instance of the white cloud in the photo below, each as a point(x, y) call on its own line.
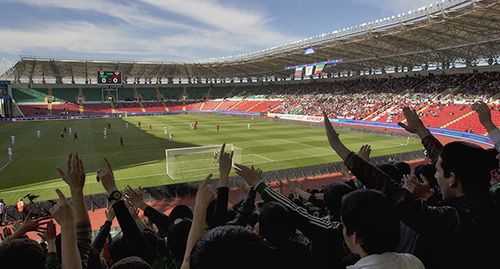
point(83, 37)
point(243, 22)
point(80, 37)
point(131, 14)
point(210, 29)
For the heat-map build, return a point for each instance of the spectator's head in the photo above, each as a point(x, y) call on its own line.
point(463, 169)
point(180, 212)
point(371, 223)
point(177, 239)
point(22, 253)
point(131, 263)
point(403, 167)
point(332, 195)
point(227, 247)
point(276, 224)
point(428, 171)
point(392, 171)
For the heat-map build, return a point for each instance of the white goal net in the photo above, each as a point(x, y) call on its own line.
point(197, 161)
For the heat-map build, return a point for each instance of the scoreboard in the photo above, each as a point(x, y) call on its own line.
point(109, 77)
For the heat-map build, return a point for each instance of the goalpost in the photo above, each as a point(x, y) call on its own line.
point(197, 161)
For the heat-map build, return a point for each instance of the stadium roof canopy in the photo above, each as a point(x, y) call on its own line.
point(449, 31)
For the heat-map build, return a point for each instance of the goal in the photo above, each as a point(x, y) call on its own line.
point(197, 161)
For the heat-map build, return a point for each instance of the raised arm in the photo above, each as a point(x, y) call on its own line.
point(245, 210)
point(225, 163)
point(414, 211)
point(125, 219)
point(100, 239)
point(416, 126)
point(333, 139)
point(135, 197)
point(204, 196)
point(51, 260)
point(484, 113)
point(64, 213)
point(307, 223)
point(369, 175)
point(75, 178)
point(28, 225)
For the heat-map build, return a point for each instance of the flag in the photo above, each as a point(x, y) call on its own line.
point(309, 70)
point(319, 69)
point(298, 71)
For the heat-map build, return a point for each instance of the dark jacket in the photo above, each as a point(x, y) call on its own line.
point(455, 234)
point(328, 248)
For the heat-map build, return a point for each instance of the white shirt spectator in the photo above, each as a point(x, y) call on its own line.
point(388, 260)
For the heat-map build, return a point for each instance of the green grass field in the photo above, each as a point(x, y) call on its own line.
point(141, 162)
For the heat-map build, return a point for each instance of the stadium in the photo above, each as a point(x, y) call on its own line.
point(161, 124)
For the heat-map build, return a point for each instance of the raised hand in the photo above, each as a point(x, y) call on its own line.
point(334, 140)
point(205, 193)
point(484, 113)
point(420, 189)
point(333, 136)
point(30, 225)
point(415, 124)
point(6, 233)
point(50, 237)
point(364, 152)
point(106, 176)
point(63, 212)
point(135, 197)
point(225, 163)
point(251, 175)
point(75, 174)
point(50, 234)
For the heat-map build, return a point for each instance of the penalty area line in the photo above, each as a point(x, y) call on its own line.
point(5, 165)
point(262, 157)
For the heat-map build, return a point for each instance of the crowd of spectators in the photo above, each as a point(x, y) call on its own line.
point(443, 214)
point(384, 98)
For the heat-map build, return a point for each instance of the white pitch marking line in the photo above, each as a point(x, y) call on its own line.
point(5, 165)
point(152, 175)
point(262, 157)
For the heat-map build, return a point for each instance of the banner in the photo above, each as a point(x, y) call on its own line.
point(316, 119)
point(309, 70)
point(298, 71)
point(319, 69)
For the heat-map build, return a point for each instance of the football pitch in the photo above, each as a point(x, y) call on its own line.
point(141, 162)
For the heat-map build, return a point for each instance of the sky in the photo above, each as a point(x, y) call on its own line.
point(174, 30)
